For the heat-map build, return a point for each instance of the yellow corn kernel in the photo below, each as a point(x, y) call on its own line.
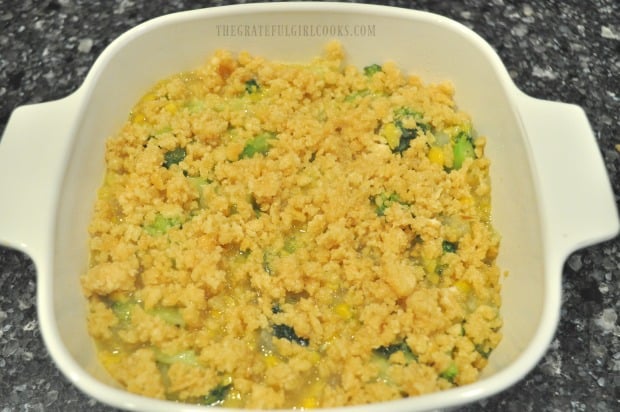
point(148, 97)
point(430, 265)
point(463, 286)
point(309, 402)
point(171, 108)
point(484, 210)
point(343, 310)
point(108, 359)
point(433, 278)
point(271, 360)
point(466, 201)
point(138, 118)
point(392, 134)
point(314, 357)
point(435, 155)
point(333, 285)
point(214, 313)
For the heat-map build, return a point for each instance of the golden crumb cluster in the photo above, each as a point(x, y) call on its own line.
point(274, 235)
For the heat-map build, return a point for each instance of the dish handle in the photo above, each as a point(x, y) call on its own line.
point(577, 201)
point(33, 152)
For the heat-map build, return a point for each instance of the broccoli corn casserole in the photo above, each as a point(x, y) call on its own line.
point(277, 235)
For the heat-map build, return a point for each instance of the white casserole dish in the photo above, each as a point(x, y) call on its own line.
point(551, 194)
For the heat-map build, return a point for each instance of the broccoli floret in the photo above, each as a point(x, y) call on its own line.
point(440, 269)
point(386, 351)
point(383, 201)
point(123, 309)
point(217, 395)
point(407, 121)
point(199, 183)
point(170, 315)
point(282, 331)
point(483, 351)
point(259, 144)
point(188, 357)
point(255, 206)
point(195, 106)
point(291, 244)
point(359, 93)
point(267, 265)
point(463, 149)
point(372, 69)
point(449, 247)
point(161, 225)
point(450, 373)
point(275, 308)
point(252, 86)
point(174, 157)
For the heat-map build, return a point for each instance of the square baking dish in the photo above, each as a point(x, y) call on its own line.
point(550, 191)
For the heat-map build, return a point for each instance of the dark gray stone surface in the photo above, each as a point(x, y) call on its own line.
point(558, 50)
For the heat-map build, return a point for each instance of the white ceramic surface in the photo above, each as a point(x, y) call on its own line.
point(535, 146)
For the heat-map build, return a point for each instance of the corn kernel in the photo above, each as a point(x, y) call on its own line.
point(435, 155)
point(148, 97)
point(333, 285)
point(484, 210)
point(314, 357)
point(343, 310)
point(214, 313)
point(309, 402)
point(109, 358)
point(171, 108)
point(392, 134)
point(271, 360)
point(463, 286)
point(138, 118)
point(430, 265)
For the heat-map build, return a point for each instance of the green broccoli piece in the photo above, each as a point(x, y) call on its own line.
point(275, 308)
point(449, 247)
point(359, 93)
point(163, 130)
point(440, 269)
point(122, 310)
point(252, 86)
point(386, 351)
point(195, 106)
point(174, 157)
point(372, 69)
point(383, 201)
point(463, 149)
point(291, 244)
point(483, 351)
point(450, 373)
point(255, 206)
point(259, 144)
point(187, 357)
point(282, 331)
point(198, 183)
point(267, 263)
point(170, 315)
point(402, 119)
point(161, 225)
point(217, 395)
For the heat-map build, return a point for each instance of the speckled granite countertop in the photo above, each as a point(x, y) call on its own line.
point(559, 50)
